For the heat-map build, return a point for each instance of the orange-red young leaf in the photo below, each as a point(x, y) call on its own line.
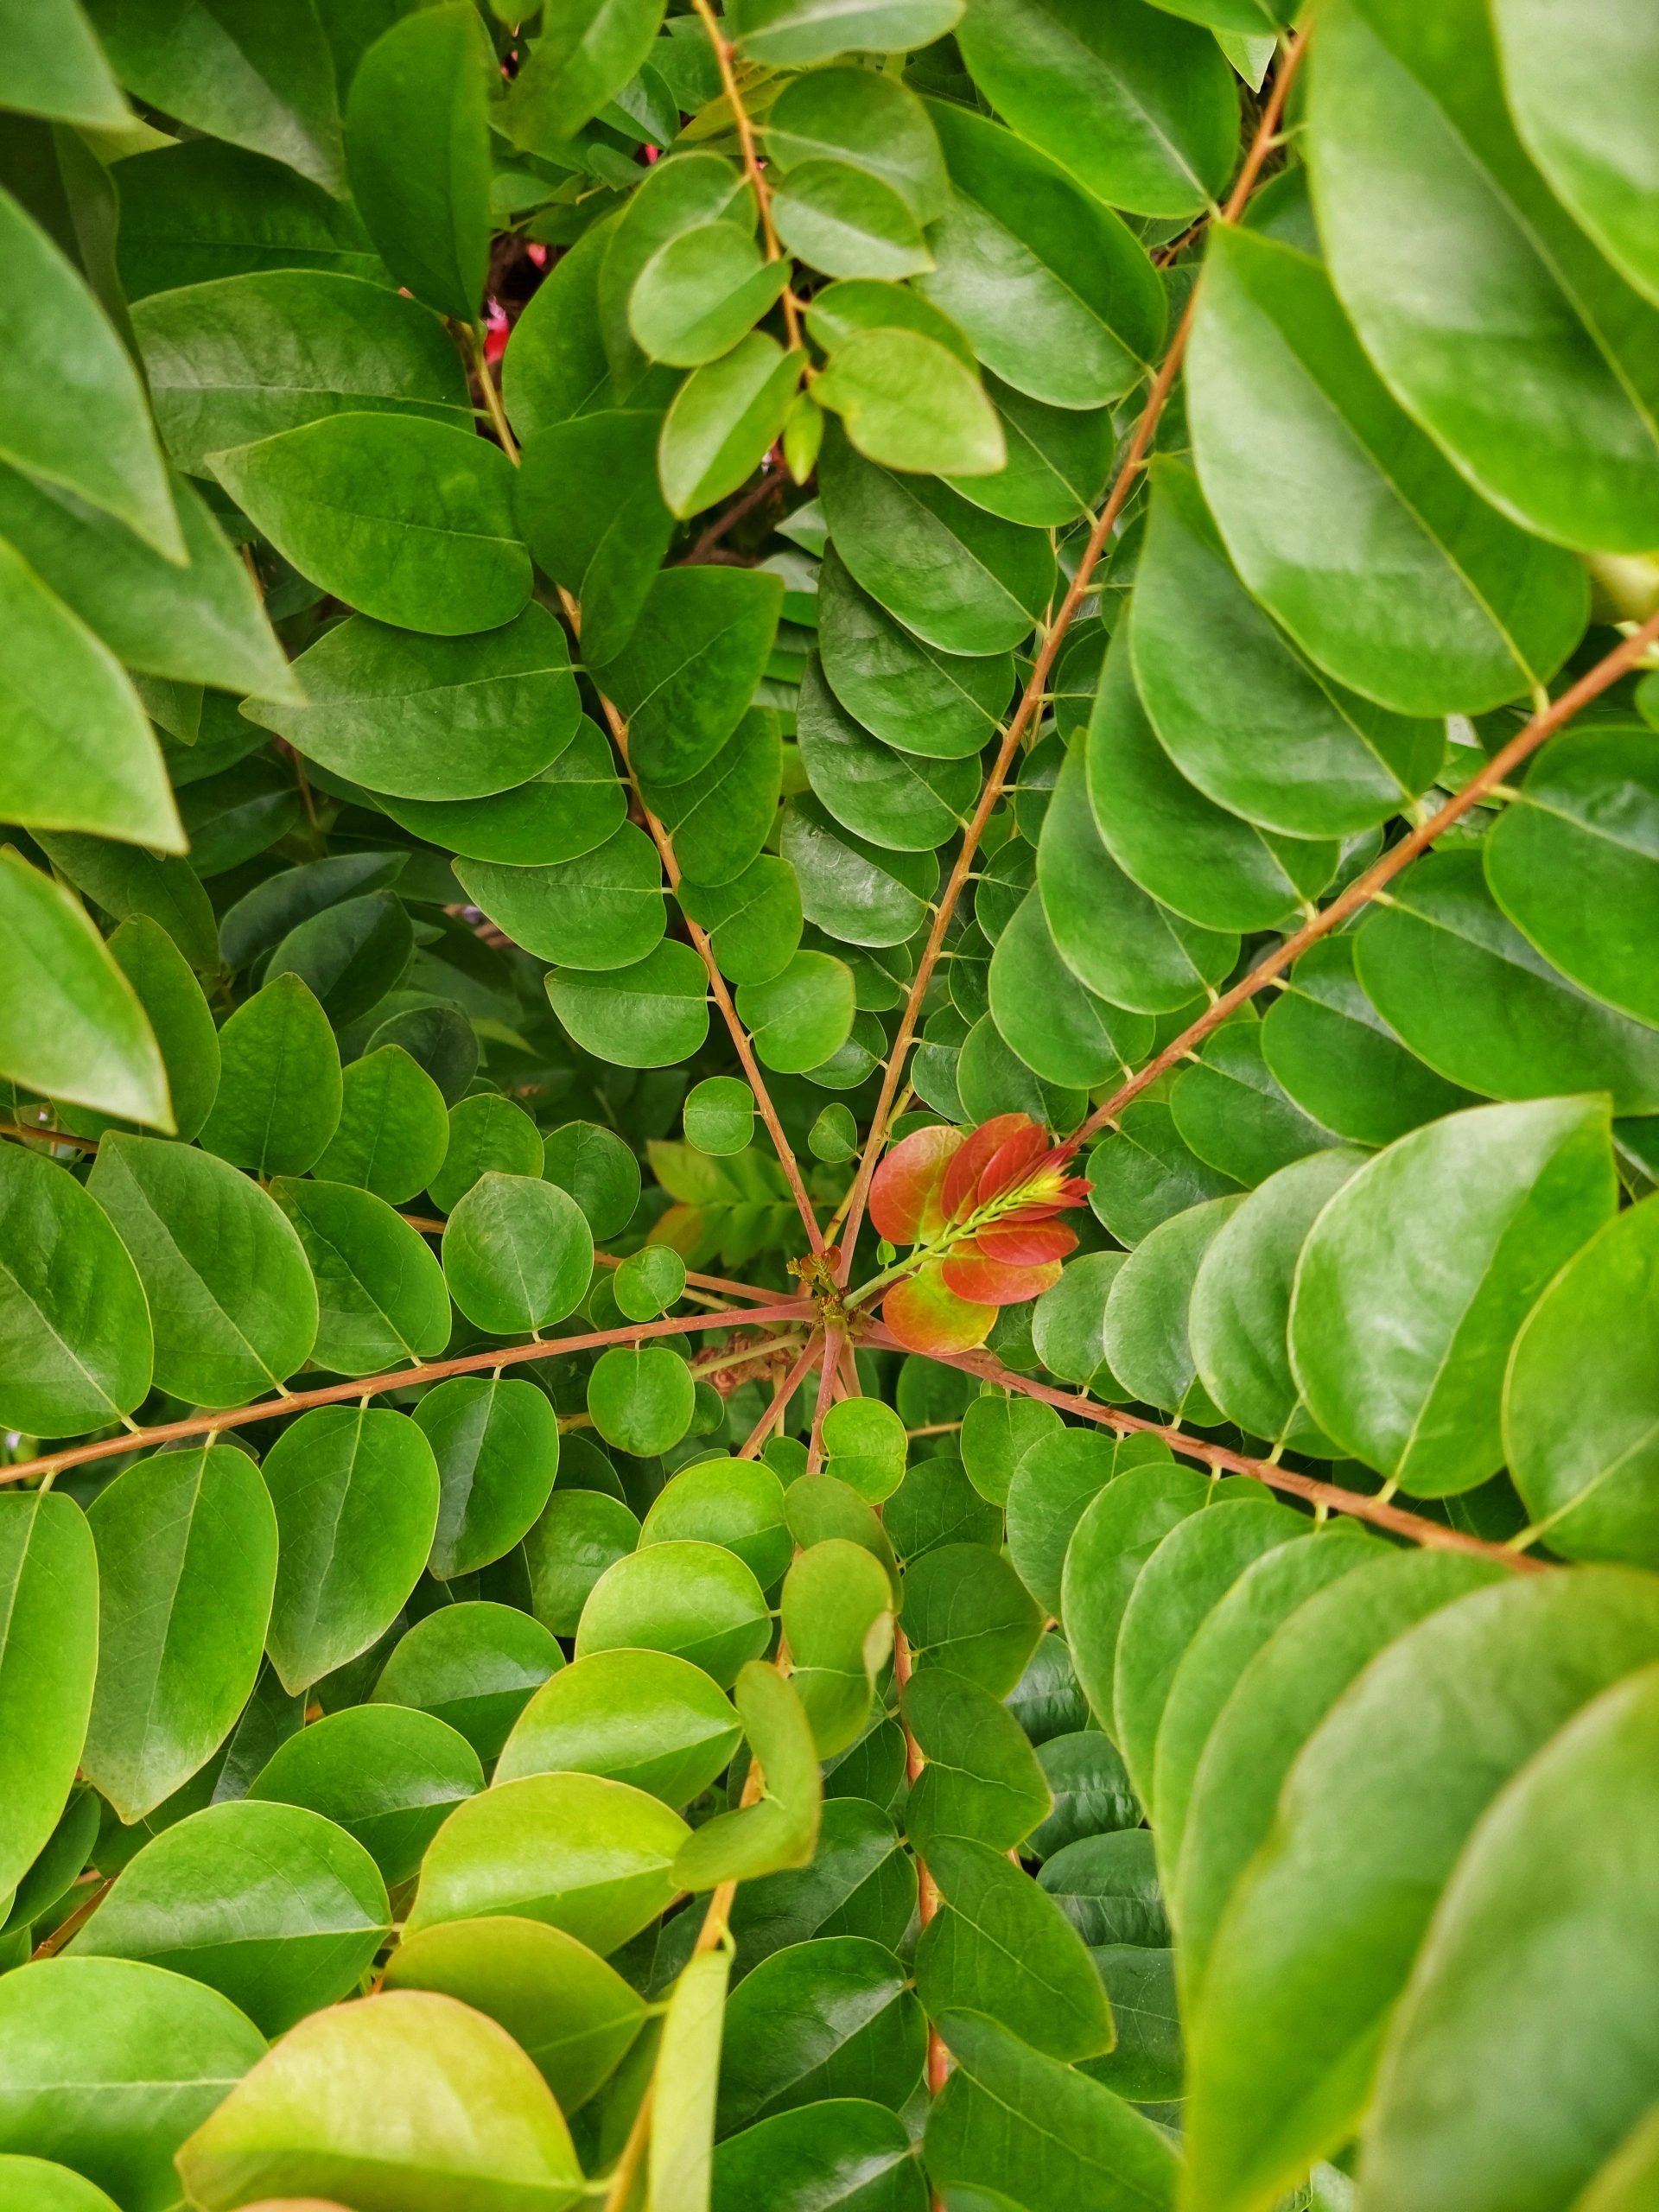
point(980, 1148)
point(1025, 1244)
point(992, 1282)
point(1012, 1162)
point(927, 1317)
point(906, 1202)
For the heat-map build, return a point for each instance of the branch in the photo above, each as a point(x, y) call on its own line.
point(1356, 1503)
point(371, 1386)
point(725, 53)
point(780, 1398)
point(1497, 771)
point(1036, 691)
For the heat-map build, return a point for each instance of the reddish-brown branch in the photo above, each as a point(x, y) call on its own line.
point(1497, 771)
point(47, 1136)
point(1036, 691)
point(780, 1398)
point(1432, 1533)
point(827, 1367)
point(75, 1921)
point(371, 1386)
point(725, 54)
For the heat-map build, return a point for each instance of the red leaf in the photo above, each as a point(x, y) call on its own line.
point(978, 1150)
point(1013, 1163)
point(1025, 1244)
point(904, 1192)
point(927, 1317)
point(990, 1282)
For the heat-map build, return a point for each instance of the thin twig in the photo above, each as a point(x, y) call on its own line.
point(83, 1912)
point(832, 1343)
point(1498, 770)
point(1357, 1505)
point(47, 1136)
point(785, 1390)
point(724, 54)
point(371, 1386)
point(756, 496)
point(1036, 689)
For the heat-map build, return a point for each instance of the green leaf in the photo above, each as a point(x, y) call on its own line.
point(792, 31)
point(1051, 288)
point(242, 358)
point(49, 1659)
point(936, 1504)
point(1058, 1028)
point(1387, 1792)
point(865, 1447)
point(196, 1900)
point(1240, 713)
point(966, 1609)
point(110, 2063)
point(574, 2016)
point(1586, 815)
point(598, 1171)
point(724, 419)
point(754, 921)
point(518, 1254)
point(818, 2157)
point(591, 510)
point(650, 1015)
point(462, 2112)
point(56, 68)
point(200, 624)
point(701, 293)
point(679, 2155)
point(906, 692)
point(694, 1600)
point(1067, 1321)
point(781, 1830)
point(1239, 1317)
point(900, 801)
point(387, 1777)
point(1012, 2118)
point(680, 194)
point(1058, 459)
point(1200, 859)
point(418, 138)
point(1144, 1332)
point(1092, 1794)
point(579, 1535)
point(860, 1882)
point(125, 880)
point(999, 1944)
point(719, 1115)
point(279, 1086)
point(1232, 1110)
point(686, 677)
point(179, 1021)
point(871, 121)
point(1545, 1897)
point(1450, 608)
point(574, 804)
point(187, 1563)
point(1332, 1052)
point(819, 2020)
point(1189, 1573)
point(235, 74)
point(71, 1025)
point(585, 1855)
point(38, 2185)
point(80, 753)
point(349, 955)
point(847, 221)
point(721, 817)
point(1502, 1197)
point(837, 1615)
point(578, 64)
point(736, 1503)
point(474, 1665)
point(74, 1329)
point(434, 718)
point(963, 581)
point(1053, 1486)
point(1579, 1418)
point(1114, 1537)
point(1147, 1172)
point(799, 1017)
point(1420, 178)
point(393, 1128)
point(85, 428)
point(646, 1718)
point(202, 209)
point(496, 1442)
point(909, 404)
point(1118, 941)
point(980, 1779)
point(356, 1498)
point(1107, 1887)
point(1468, 994)
point(408, 520)
point(231, 1301)
point(1137, 107)
point(602, 911)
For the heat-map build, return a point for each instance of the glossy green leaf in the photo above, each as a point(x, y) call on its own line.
point(1051, 1488)
point(801, 1015)
point(904, 691)
point(1257, 729)
point(860, 1882)
point(1419, 177)
point(518, 1254)
point(646, 1718)
point(1144, 1330)
point(1147, 1172)
point(1473, 611)
point(179, 1021)
point(496, 1442)
point(475, 1665)
point(417, 141)
point(794, 31)
point(356, 1495)
point(827, 2019)
point(686, 677)
point(865, 1447)
point(41, 2185)
point(579, 64)
point(187, 1566)
point(1000, 1946)
point(721, 817)
point(392, 1129)
point(48, 1658)
point(898, 801)
point(1051, 287)
point(724, 419)
point(58, 69)
point(1232, 1112)
point(753, 922)
point(966, 1609)
point(279, 1087)
point(199, 1900)
point(679, 2157)
point(837, 1615)
point(70, 1024)
point(818, 2157)
point(380, 1292)
point(1085, 1773)
point(701, 293)
point(1137, 106)
point(1114, 1537)
point(591, 510)
point(388, 1777)
point(108, 2065)
point(980, 1779)
point(691, 1598)
point(780, 1830)
point(603, 910)
point(486, 1133)
point(350, 955)
point(72, 1317)
point(573, 804)
point(1526, 1186)
point(1388, 1790)
point(407, 520)
point(470, 2120)
point(738, 1503)
point(579, 1535)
